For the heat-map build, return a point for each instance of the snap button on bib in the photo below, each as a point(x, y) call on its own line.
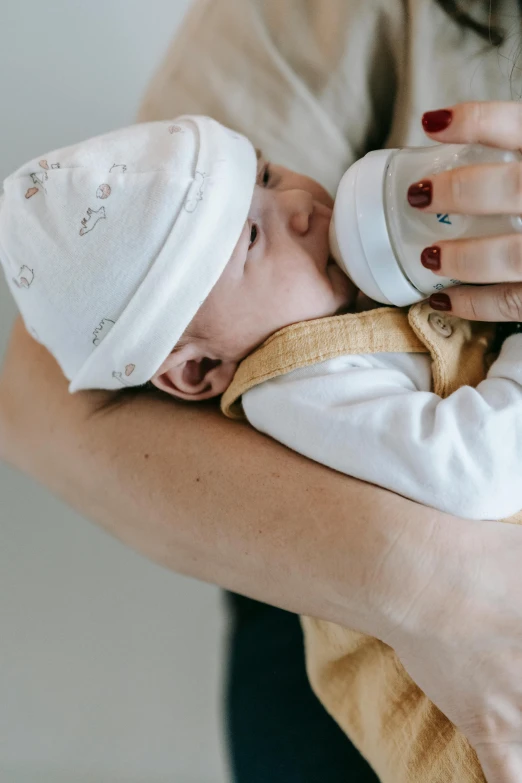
point(439, 324)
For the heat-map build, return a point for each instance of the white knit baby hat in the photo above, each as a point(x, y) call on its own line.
point(111, 246)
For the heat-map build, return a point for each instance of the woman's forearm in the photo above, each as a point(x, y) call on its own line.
point(222, 503)
point(212, 499)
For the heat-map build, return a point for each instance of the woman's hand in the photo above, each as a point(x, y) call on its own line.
point(461, 641)
point(481, 190)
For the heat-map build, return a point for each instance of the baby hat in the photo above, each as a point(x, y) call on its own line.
point(111, 246)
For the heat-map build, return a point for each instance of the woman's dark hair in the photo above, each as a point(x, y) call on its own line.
point(490, 32)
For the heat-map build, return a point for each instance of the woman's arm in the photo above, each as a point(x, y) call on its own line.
point(220, 502)
point(202, 496)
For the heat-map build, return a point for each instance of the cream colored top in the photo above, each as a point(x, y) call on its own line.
point(317, 83)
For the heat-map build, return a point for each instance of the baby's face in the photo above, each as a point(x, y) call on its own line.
point(280, 272)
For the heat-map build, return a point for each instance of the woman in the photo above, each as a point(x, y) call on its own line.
point(315, 85)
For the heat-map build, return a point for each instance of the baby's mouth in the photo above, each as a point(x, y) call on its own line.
point(331, 262)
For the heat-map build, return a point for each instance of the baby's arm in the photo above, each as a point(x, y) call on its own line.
point(462, 454)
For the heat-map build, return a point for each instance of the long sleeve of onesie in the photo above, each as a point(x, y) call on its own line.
point(374, 418)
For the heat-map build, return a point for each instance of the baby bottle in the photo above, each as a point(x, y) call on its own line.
point(377, 238)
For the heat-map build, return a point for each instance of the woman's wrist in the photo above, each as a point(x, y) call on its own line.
point(407, 580)
point(422, 576)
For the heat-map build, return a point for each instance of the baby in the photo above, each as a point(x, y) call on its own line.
point(169, 252)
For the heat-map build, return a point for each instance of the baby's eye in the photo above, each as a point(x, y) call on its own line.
point(254, 233)
point(264, 175)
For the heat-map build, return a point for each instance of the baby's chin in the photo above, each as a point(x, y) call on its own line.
point(345, 290)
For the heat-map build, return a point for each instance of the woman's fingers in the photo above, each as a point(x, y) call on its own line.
point(502, 302)
point(491, 189)
point(485, 260)
point(494, 123)
point(478, 189)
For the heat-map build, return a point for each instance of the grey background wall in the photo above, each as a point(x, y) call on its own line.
point(110, 667)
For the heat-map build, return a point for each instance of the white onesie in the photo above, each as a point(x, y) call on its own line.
point(374, 417)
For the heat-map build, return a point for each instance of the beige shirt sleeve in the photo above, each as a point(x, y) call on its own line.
point(442, 64)
point(317, 83)
point(311, 83)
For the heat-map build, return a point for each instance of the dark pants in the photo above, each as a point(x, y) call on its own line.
point(278, 730)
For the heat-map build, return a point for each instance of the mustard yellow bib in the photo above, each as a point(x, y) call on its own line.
point(359, 679)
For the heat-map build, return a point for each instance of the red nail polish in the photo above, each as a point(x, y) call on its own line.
point(430, 258)
point(436, 121)
point(419, 194)
point(440, 302)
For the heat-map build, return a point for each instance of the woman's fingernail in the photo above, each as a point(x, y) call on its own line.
point(430, 258)
point(435, 121)
point(440, 302)
point(419, 194)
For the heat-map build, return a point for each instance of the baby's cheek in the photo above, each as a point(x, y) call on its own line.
point(305, 300)
point(320, 194)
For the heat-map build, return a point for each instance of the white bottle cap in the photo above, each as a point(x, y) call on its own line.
point(359, 238)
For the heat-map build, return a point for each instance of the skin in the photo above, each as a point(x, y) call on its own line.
point(232, 507)
point(280, 272)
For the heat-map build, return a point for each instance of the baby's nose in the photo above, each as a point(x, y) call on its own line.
point(299, 207)
point(300, 221)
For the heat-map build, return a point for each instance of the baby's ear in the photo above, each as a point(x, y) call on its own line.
point(189, 374)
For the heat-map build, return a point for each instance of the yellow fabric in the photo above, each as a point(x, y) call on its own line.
point(456, 360)
point(310, 342)
point(359, 679)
